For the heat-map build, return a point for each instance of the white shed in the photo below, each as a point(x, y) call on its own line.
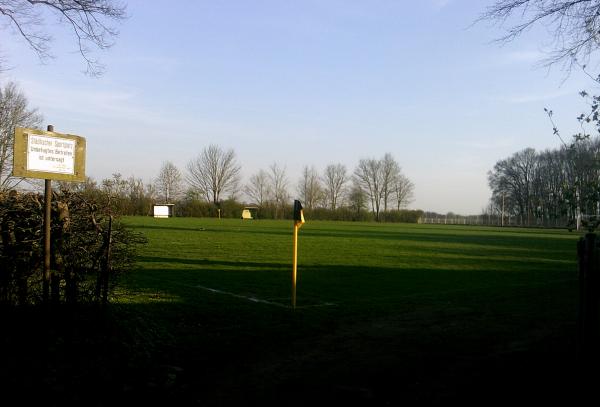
point(163, 210)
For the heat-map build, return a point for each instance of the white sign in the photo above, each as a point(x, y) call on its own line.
point(50, 154)
point(161, 211)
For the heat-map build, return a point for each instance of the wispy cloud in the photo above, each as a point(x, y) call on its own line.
point(535, 97)
point(494, 144)
point(516, 58)
point(89, 104)
point(528, 56)
point(440, 4)
point(158, 63)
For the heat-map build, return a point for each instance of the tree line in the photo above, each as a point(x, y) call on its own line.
point(211, 183)
point(554, 187)
point(211, 186)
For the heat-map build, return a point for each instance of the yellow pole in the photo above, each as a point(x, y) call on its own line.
point(295, 265)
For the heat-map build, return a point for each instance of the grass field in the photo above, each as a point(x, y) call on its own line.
point(387, 314)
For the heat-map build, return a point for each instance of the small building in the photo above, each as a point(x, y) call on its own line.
point(163, 210)
point(250, 212)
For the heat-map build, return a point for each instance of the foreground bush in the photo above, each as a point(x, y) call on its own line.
point(83, 252)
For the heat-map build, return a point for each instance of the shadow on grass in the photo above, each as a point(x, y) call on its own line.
point(228, 353)
point(206, 262)
point(454, 264)
point(549, 242)
point(472, 332)
point(177, 228)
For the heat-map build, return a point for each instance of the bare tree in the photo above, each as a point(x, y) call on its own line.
point(88, 20)
point(573, 25)
point(214, 172)
point(334, 179)
point(168, 182)
point(556, 187)
point(151, 191)
point(278, 188)
point(116, 186)
point(390, 171)
point(367, 176)
point(14, 112)
point(403, 190)
point(257, 188)
point(515, 175)
point(87, 185)
point(357, 198)
point(309, 188)
point(139, 201)
point(234, 192)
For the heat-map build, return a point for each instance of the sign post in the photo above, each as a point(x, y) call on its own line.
point(48, 155)
point(298, 222)
point(48, 275)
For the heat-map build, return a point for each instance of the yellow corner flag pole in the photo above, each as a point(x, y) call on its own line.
point(298, 222)
point(295, 265)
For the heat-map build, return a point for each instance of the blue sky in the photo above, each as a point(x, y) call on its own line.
point(307, 83)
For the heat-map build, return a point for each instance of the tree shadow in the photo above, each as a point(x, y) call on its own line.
point(464, 329)
point(220, 351)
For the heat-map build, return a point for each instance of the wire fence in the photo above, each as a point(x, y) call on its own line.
point(496, 220)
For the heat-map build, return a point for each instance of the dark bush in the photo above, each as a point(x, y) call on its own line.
point(79, 247)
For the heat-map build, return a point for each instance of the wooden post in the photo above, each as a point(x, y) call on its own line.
point(589, 299)
point(47, 223)
point(107, 260)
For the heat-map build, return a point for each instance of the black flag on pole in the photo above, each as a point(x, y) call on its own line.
point(298, 213)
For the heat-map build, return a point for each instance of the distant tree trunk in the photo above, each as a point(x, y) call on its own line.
point(390, 172)
point(368, 177)
point(278, 188)
point(309, 188)
point(168, 181)
point(403, 190)
point(334, 179)
point(258, 189)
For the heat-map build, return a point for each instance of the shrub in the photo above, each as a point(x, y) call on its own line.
point(79, 247)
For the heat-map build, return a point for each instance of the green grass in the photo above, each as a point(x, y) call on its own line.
point(344, 263)
point(387, 314)
point(428, 309)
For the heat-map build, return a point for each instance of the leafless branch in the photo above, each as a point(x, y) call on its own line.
point(88, 20)
point(574, 25)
